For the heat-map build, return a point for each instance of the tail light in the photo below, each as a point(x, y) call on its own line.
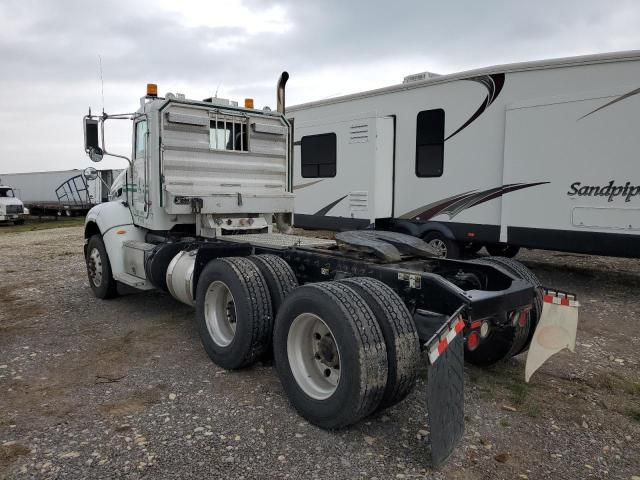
point(473, 340)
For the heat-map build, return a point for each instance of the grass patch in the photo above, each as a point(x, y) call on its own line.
point(32, 225)
point(630, 387)
point(634, 414)
point(532, 410)
point(612, 382)
point(500, 382)
point(519, 391)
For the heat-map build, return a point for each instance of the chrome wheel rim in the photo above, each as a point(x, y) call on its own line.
point(94, 264)
point(439, 246)
point(220, 313)
point(314, 357)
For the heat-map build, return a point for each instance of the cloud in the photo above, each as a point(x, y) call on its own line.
point(49, 53)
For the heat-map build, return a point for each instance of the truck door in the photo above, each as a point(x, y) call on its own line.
point(138, 182)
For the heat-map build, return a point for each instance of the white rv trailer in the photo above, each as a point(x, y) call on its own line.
point(541, 154)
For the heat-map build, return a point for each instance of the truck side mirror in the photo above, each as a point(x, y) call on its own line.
point(90, 173)
point(91, 140)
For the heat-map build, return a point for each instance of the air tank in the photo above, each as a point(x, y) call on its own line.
point(180, 276)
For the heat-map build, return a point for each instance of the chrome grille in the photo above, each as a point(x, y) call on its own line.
point(14, 208)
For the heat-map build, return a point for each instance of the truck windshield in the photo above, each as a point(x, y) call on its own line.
point(6, 192)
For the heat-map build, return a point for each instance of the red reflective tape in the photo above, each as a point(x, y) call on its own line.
point(476, 324)
point(460, 326)
point(442, 346)
point(564, 301)
point(548, 298)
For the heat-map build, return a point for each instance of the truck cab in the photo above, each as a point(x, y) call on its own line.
point(205, 168)
point(11, 207)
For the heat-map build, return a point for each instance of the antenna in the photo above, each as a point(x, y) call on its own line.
point(217, 88)
point(101, 81)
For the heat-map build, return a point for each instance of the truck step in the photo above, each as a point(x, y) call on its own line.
point(132, 281)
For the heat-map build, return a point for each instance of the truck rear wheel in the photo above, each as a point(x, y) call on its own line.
point(330, 354)
point(99, 269)
point(233, 312)
point(281, 280)
point(507, 341)
point(502, 250)
point(400, 337)
point(520, 271)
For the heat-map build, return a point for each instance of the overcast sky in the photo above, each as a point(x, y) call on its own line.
point(49, 50)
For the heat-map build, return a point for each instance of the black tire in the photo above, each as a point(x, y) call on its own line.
point(506, 341)
point(281, 280)
point(497, 347)
point(105, 286)
point(251, 312)
point(448, 247)
point(360, 346)
point(502, 250)
point(519, 270)
point(400, 337)
point(472, 248)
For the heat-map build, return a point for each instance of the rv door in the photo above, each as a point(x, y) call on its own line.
point(384, 167)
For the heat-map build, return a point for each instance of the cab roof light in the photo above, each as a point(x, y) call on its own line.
point(152, 90)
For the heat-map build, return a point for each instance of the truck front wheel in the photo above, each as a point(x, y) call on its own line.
point(99, 269)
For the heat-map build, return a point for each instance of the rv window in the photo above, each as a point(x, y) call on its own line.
point(228, 135)
point(141, 138)
point(318, 154)
point(430, 143)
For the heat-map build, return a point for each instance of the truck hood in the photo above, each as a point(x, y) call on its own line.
point(10, 201)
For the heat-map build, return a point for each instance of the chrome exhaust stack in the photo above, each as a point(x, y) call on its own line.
point(282, 81)
point(283, 220)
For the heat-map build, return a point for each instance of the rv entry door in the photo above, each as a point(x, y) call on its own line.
point(383, 168)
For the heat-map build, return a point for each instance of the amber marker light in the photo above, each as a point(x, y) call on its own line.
point(152, 90)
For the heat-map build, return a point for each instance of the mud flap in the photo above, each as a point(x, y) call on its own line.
point(445, 390)
point(556, 330)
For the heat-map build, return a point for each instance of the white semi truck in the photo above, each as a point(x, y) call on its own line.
point(11, 207)
point(346, 320)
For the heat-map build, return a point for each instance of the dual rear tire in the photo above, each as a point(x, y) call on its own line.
point(342, 350)
point(236, 301)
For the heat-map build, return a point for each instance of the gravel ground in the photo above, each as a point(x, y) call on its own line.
point(123, 388)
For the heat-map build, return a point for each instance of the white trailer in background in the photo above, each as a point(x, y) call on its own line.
point(62, 192)
point(540, 155)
